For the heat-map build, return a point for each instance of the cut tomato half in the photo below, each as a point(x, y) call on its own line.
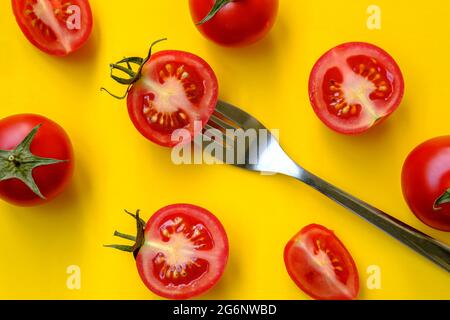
point(177, 90)
point(57, 27)
point(185, 252)
point(354, 86)
point(320, 265)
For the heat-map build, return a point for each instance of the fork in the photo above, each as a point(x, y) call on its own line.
point(273, 159)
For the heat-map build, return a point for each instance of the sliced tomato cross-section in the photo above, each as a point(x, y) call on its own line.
point(176, 90)
point(354, 86)
point(185, 252)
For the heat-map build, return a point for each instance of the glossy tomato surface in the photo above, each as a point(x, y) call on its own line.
point(355, 86)
point(238, 23)
point(57, 27)
point(185, 252)
point(320, 265)
point(177, 90)
point(51, 141)
point(425, 179)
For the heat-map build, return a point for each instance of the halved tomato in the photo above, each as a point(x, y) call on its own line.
point(170, 91)
point(57, 27)
point(185, 252)
point(176, 90)
point(182, 252)
point(354, 86)
point(320, 264)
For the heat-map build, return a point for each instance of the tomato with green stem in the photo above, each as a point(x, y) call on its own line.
point(234, 23)
point(320, 265)
point(426, 182)
point(36, 159)
point(57, 27)
point(170, 90)
point(181, 252)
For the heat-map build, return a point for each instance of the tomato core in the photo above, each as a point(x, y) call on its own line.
point(177, 263)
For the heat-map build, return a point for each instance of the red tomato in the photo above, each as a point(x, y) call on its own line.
point(49, 142)
point(181, 252)
point(426, 182)
point(185, 252)
point(176, 89)
point(237, 23)
point(320, 265)
point(354, 86)
point(57, 27)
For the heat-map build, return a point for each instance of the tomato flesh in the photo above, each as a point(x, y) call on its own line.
point(185, 252)
point(425, 178)
point(320, 265)
point(57, 27)
point(354, 86)
point(50, 142)
point(177, 90)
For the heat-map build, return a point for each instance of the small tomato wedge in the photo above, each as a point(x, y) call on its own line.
point(355, 86)
point(426, 182)
point(171, 90)
point(320, 265)
point(57, 27)
point(181, 252)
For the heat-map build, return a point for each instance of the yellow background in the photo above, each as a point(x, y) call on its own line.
point(116, 168)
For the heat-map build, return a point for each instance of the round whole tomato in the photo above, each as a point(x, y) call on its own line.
point(426, 182)
point(57, 27)
point(355, 86)
point(234, 22)
point(36, 159)
point(171, 90)
point(320, 265)
point(181, 252)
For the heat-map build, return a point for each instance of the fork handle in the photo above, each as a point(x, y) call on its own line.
point(431, 248)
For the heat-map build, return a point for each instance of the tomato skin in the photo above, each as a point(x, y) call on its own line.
point(363, 122)
point(76, 39)
point(150, 72)
point(216, 267)
point(310, 275)
point(238, 23)
point(51, 141)
point(425, 178)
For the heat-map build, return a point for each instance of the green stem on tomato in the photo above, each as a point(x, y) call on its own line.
point(125, 67)
point(124, 236)
point(138, 239)
point(219, 4)
point(20, 163)
point(445, 198)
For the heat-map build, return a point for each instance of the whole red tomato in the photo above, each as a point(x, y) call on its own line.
point(426, 182)
point(234, 23)
point(36, 159)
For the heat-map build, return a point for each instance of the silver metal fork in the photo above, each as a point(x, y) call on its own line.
point(273, 159)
